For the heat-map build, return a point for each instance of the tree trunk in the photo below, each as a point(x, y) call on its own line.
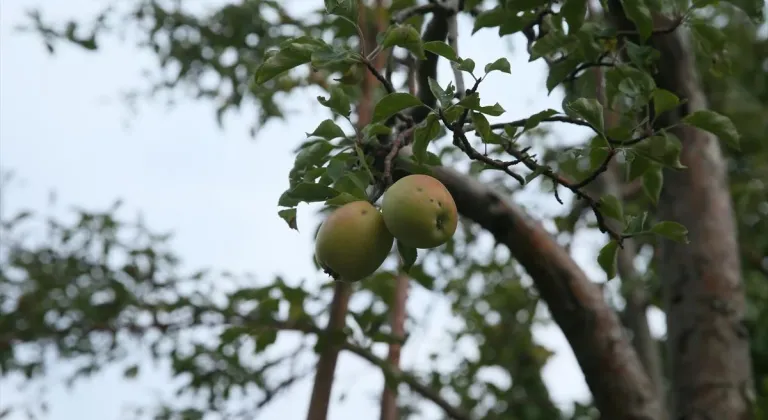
point(704, 297)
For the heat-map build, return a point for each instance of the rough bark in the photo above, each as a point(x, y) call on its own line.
point(703, 292)
point(615, 376)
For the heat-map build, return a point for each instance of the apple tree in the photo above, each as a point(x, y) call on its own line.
point(672, 94)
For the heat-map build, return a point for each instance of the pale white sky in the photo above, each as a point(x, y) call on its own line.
point(215, 188)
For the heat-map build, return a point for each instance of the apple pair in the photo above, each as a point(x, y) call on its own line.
point(356, 238)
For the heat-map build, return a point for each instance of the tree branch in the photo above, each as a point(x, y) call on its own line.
point(612, 370)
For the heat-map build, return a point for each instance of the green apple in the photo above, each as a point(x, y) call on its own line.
point(419, 211)
point(353, 241)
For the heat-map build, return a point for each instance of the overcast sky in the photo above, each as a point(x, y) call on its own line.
point(62, 128)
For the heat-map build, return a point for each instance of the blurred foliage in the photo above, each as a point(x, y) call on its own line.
point(89, 290)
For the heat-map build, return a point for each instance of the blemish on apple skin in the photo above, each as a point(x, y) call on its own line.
point(364, 212)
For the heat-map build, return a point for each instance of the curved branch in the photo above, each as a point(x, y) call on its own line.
point(615, 376)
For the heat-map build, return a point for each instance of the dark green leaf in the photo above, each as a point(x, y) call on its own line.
point(405, 36)
point(574, 12)
point(541, 169)
point(607, 258)
point(637, 11)
point(467, 65)
point(502, 65)
point(664, 100)
point(636, 223)
point(590, 110)
point(423, 135)
point(314, 154)
point(610, 206)
point(131, 371)
point(664, 148)
point(289, 215)
point(310, 193)
point(341, 7)
point(473, 102)
point(443, 96)
point(715, 123)
point(394, 103)
point(408, 256)
point(653, 180)
point(639, 165)
point(534, 120)
point(671, 230)
point(292, 53)
point(442, 49)
point(559, 71)
point(547, 45)
point(482, 126)
point(343, 199)
point(328, 130)
point(338, 101)
point(490, 18)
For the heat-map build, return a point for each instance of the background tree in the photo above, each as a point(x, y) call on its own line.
point(632, 76)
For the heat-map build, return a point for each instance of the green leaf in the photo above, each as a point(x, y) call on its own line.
point(494, 110)
point(442, 49)
point(481, 124)
point(292, 53)
point(405, 36)
point(314, 154)
point(715, 123)
point(335, 59)
point(342, 199)
point(637, 11)
point(341, 7)
point(610, 206)
point(467, 65)
point(443, 96)
point(574, 13)
point(559, 71)
point(131, 371)
point(338, 101)
point(408, 256)
point(423, 135)
point(289, 215)
point(590, 110)
point(350, 184)
point(328, 130)
point(653, 180)
point(534, 120)
point(625, 79)
point(607, 258)
point(664, 100)
point(547, 45)
point(502, 65)
point(636, 223)
point(663, 148)
point(712, 39)
point(307, 192)
point(472, 102)
point(538, 170)
point(490, 18)
point(671, 230)
point(373, 130)
point(394, 103)
point(639, 165)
